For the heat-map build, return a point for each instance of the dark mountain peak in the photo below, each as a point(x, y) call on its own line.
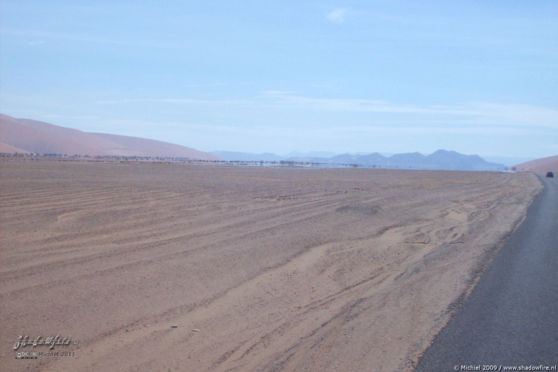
point(444, 153)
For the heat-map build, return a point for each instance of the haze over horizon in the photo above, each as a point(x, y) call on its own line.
point(340, 77)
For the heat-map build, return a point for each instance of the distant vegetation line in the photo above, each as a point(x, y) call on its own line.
point(160, 159)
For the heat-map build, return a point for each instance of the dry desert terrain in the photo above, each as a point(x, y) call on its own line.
point(540, 166)
point(158, 267)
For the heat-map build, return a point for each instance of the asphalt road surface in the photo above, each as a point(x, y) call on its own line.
point(511, 317)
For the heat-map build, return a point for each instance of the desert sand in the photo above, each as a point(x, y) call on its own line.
point(540, 166)
point(157, 267)
point(32, 136)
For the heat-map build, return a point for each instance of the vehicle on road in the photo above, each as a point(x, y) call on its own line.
point(550, 174)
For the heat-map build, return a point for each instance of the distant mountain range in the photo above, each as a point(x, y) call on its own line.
point(439, 160)
point(31, 136)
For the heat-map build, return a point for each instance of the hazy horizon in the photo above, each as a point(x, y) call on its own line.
point(338, 77)
point(505, 160)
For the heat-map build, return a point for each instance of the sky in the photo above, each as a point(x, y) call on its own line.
point(388, 76)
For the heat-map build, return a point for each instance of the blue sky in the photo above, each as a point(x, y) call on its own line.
point(281, 76)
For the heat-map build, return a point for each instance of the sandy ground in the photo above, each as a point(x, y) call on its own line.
point(257, 269)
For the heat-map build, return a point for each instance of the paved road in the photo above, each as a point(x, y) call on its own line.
point(511, 318)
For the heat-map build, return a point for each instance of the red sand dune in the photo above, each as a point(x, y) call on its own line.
point(24, 135)
point(5, 148)
point(540, 166)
